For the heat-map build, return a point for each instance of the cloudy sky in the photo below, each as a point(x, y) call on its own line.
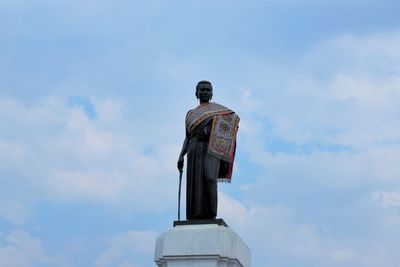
point(93, 96)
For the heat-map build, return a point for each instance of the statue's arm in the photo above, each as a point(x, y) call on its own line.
point(182, 154)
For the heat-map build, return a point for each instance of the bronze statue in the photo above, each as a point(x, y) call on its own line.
point(210, 145)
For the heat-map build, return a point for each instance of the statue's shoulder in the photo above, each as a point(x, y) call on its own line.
point(189, 112)
point(210, 108)
point(222, 108)
point(194, 110)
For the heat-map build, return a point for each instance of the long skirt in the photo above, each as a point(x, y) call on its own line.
point(201, 187)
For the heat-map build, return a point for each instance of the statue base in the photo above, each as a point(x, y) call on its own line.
point(205, 221)
point(195, 244)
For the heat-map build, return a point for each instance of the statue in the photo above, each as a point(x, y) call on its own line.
point(210, 145)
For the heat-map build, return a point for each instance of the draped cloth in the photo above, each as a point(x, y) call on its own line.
point(211, 132)
point(203, 111)
point(222, 142)
point(222, 139)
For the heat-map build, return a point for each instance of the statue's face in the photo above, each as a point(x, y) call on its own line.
point(204, 93)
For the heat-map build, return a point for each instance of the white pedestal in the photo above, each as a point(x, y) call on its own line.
point(204, 245)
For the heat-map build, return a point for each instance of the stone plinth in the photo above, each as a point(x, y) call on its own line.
point(201, 245)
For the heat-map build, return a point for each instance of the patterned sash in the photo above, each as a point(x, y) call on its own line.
point(202, 112)
point(222, 142)
point(223, 136)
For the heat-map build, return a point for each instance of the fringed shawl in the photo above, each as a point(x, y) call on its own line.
point(222, 142)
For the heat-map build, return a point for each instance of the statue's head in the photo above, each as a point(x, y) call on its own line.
point(204, 91)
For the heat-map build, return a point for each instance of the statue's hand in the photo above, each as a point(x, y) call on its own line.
point(180, 164)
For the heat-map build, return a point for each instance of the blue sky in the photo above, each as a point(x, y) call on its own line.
point(93, 96)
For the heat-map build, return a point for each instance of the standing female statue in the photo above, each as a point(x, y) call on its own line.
point(210, 145)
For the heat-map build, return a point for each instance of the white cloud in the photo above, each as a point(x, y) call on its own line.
point(14, 211)
point(86, 184)
point(388, 199)
point(276, 237)
point(20, 249)
point(12, 154)
point(341, 126)
point(62, 153)
point(233, 210)
point(122, 248)
point(272, 230)
point(338, 118)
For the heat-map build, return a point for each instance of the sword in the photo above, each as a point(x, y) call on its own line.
point(179, 195)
